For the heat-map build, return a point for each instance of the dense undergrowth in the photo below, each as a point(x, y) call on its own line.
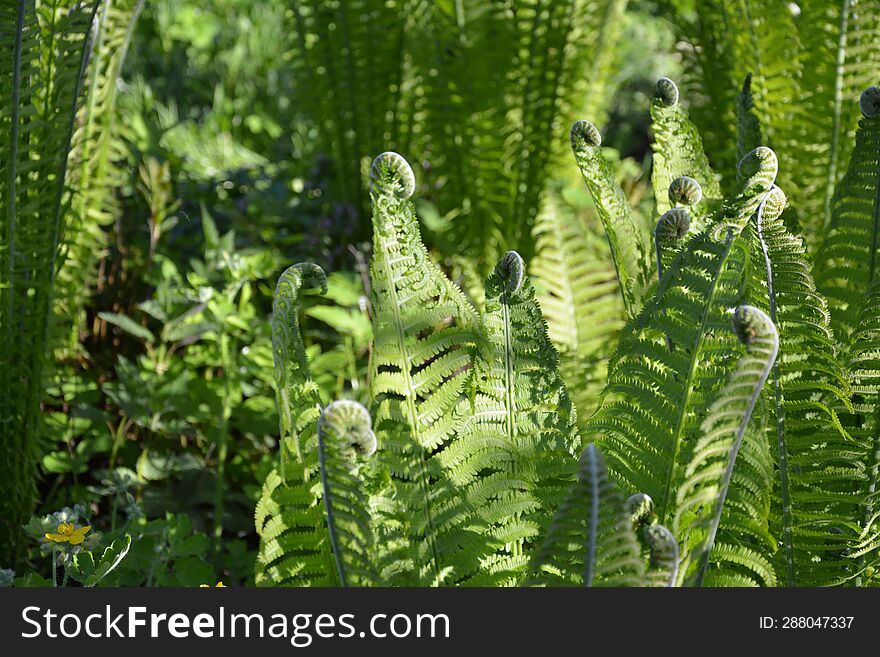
point(649, 360)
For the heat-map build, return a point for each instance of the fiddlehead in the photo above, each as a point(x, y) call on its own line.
point(684, 190)
point(869, 102)
point(390, 173)
point(757, 169)
point(345, 439)
point(663, 566)
point(666, 92)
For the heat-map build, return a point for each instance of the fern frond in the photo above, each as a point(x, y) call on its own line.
point(514, 457)
point(591, 541)
point(577, 289)
point(748, 128)
point(345, 438)
point(628, 250)
point(423, 332)
point(678, 151)
point(864, 367)
point(809, 384)
point(847, 262)
point(95, 174)
point(707, 479)
point(44, 47)
point(294, 543)
point(841, 56)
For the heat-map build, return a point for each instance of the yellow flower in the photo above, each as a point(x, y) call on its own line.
point(220, 585)
point(68, 534)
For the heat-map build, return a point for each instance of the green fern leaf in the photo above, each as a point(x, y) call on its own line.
point(748, 128)
point(294, 543)
point(577, 289)
point(864, 365)
point(847, 261)
point(423, 332)
point(809, 384)
point(627, 244)
point(515, 455)
point(44, 47)
point(591, 541)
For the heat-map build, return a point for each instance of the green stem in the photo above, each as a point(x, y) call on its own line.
point(223, 441)
point(54, 568)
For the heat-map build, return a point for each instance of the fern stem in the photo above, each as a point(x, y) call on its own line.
point(328, 508)
point(412, 416)
point(509, 383)
point(785, 487)
point(592, 534)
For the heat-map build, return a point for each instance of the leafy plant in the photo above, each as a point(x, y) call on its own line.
point(45, 46)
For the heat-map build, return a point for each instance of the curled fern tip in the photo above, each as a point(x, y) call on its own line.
point(352, 419)
point(672, 226)
point(684, 190)
point(758, 168)
point(751, 324)
point(869, 102)
point(666, 91)
point(640, 508)
point(511, 270)
point(390, 173)
point(586, 132)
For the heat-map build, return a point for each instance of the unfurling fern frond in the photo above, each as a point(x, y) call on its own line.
point(847, 262)
point(578, 292)
point(678, 151)
point(664, 562)
point(591, 540)
point(423, 331)
point(294, 543)
point(627, 244)
point(345, 438)
point(514, 457)
point(702, 499)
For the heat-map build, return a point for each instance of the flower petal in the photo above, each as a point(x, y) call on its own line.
point(57, 538)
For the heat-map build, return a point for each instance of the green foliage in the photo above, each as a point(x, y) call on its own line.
point(591, 541)
point(477, 87)
point(577, 290)
point(294, 547)
point(44, 47)
point(712, 476)
point(847, 260)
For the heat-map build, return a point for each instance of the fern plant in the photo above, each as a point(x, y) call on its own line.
point(45, 46)
point(473, 478)
point(477, 89)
